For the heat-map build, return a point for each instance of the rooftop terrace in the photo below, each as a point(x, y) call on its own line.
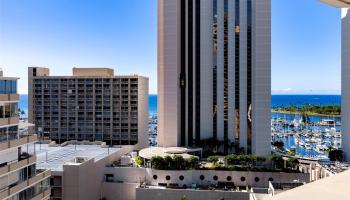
point(54, 158)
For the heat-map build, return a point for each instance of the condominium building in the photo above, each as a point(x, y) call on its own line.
point(214, 73)
point(345, 97)
point(19, 179)
point(92, 105)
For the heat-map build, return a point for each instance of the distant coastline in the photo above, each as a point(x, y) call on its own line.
point(276, 100)
point(297, 113)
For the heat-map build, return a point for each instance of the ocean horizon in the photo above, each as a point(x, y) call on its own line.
point(276, 100)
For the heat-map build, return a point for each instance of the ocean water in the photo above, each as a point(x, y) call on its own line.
point(277, 100)
point(300, 100)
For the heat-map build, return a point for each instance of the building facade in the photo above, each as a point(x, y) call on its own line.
point(345, 71)
point(19, 179)
point(214, 73)
point(92, 105)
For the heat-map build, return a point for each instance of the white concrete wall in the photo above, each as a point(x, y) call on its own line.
point(220, 71)
point(84, 181)
point(346, 82)
point(206, 123)
point(161, 194)
point(243, 75)
point(135, 175)
point(119, 191)
point(261, 87)
point(143, 90)
point(231, 70)
point(168, 72)
point(79, 182)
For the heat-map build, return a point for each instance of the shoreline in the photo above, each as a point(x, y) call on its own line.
point(311, 114)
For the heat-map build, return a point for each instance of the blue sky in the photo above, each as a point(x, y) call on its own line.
point(122, 34)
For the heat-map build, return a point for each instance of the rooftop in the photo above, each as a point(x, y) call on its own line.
point(333, 187)
point(54, 157)
point(150, 152)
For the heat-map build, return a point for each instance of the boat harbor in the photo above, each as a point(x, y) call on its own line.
point(307, 136)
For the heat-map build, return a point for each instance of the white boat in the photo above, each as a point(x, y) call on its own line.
point(308, 146)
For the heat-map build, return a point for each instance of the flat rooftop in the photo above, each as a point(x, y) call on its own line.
point(333, 187)
point(54, 158)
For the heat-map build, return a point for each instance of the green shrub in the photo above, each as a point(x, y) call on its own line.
point(179, 162)
point(193, 162)
point(168, 160)
point(158, 162)
point(213, 159)
point(139, 160)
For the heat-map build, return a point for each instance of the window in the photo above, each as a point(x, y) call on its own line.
point(271, 179)
point(155, 177)
point(181, 178)
point(242, 178)
point(215, 178)
point(256, 179)
point(229, 178)
point(202, 177)
point(168, 178)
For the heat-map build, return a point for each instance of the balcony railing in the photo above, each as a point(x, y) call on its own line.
point(18, 142)
point(9, 97)
point(17, 165)
point(42, 175)
point(8, 121)
point(45, 194)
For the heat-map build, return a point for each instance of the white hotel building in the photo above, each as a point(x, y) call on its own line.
point(345, 5)
point(214, 70)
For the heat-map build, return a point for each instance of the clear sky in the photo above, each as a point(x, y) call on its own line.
point(122, 34)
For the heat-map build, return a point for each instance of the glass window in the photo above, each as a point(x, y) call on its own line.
point(2, 87)
point(14, 87)
point(7, 111)
point(13, 132)
point(1, 111)
point(3, 134)
point(14, 110)
point(8, 86)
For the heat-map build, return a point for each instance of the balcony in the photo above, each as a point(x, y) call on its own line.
point(45, 194)
point(8, 121)
point(21, 186)
point(18, 142)
point(17, 165)
point(9, 97)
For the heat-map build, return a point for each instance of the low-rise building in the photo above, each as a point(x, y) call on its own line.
point(77, 167)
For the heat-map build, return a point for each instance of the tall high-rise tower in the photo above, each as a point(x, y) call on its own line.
point(214, 73)
point(345, 83)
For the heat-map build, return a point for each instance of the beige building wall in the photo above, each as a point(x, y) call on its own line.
point(119, 191)
point(93, 104)
point(168, 71)
point(42, 71)
point(219, 114)
point(143, 113)
point(86, 181)
point(93, 72)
